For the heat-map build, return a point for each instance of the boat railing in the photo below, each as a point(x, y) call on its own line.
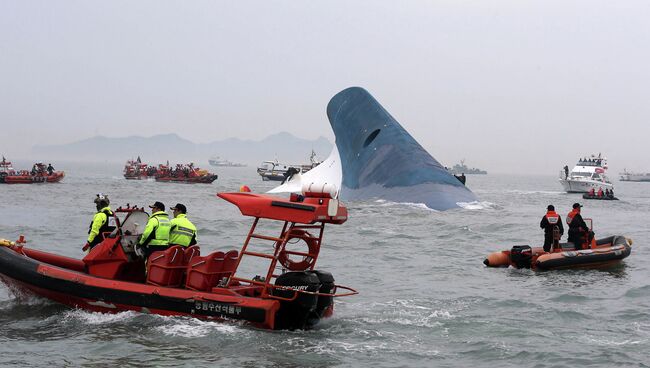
point(290, 230)
point(297, 292)
point(280, 243)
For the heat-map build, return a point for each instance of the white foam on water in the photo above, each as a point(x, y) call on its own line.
point(609, 342)
point(195, 328)
point(19, 295)
point(408, 313)
point(476, 205)
point(331, 347)
point(418, 206)
point(516, 191)
point(97, 318)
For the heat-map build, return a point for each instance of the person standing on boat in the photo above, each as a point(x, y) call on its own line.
point(156, 233)
point(566, 172)
point(103, 222)
point(183, 232)
point(577, 226)
point(50, 169)
point(549, 222)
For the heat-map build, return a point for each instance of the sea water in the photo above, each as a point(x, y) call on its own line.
point(425, 297)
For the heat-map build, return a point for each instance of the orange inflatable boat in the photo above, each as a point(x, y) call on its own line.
point(603, 252)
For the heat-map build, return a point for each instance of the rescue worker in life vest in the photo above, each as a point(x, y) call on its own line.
point(156, 233)
point(103, 222)
point(577, 226)
point(182, 232)
point(549, 222)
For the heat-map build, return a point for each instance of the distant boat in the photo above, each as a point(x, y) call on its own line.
point(184, 173)
point(588, 173)
point(461, 168)
point(216, 161)
point(136, 170)
point(276, 171)
point(631, 176)
point(38, 174)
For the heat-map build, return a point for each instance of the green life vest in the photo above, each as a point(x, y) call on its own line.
point(182, 231)
point(161, 232)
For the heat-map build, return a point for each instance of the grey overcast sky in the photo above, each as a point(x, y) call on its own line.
point(512, 86)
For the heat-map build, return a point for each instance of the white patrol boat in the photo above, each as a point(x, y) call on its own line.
point(588, 173)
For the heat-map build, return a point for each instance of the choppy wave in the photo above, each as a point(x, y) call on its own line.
point(97, 318)
point(193, 328)
point(425, 298)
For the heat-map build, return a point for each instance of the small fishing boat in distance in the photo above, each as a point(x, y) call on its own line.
point(218, 162)
point(136, 170)
point(184, 173)
point(276, 171)
point(632, 176)
point(40, 173)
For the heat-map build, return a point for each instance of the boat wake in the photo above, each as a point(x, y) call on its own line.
point(97, 318)
point(190, 328)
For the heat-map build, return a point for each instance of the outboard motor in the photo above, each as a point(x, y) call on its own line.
point(521, 256)
point(324, 303)
point(296, 313)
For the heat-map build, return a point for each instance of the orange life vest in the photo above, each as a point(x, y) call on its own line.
point(571, 215)
point(552, 217)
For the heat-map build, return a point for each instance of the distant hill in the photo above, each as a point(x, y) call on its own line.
point(159, 148)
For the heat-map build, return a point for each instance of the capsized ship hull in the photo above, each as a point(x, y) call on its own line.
point(376, 158)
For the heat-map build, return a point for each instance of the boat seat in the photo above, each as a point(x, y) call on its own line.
point(165, 268)
point(191, 252)
point(229, 266)
point(202, 272)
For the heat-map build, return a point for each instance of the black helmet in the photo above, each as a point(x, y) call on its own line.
point(102, 200)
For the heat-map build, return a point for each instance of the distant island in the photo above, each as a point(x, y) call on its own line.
point(461, 168)
point(159, 148)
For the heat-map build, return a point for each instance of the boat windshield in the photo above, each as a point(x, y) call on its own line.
point(581, 174)
point(266, 165)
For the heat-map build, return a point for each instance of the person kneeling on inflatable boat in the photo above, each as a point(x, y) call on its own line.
point(550, 222)
point(577, 227)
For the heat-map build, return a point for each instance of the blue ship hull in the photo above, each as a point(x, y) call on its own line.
point(380, 159)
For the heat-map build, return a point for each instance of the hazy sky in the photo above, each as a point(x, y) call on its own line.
point(509, 85)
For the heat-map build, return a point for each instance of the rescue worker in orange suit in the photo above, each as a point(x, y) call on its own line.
point(577, 226)
point(103, 222)
point(600, 192)
point(549, 222)
point(592, 192)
